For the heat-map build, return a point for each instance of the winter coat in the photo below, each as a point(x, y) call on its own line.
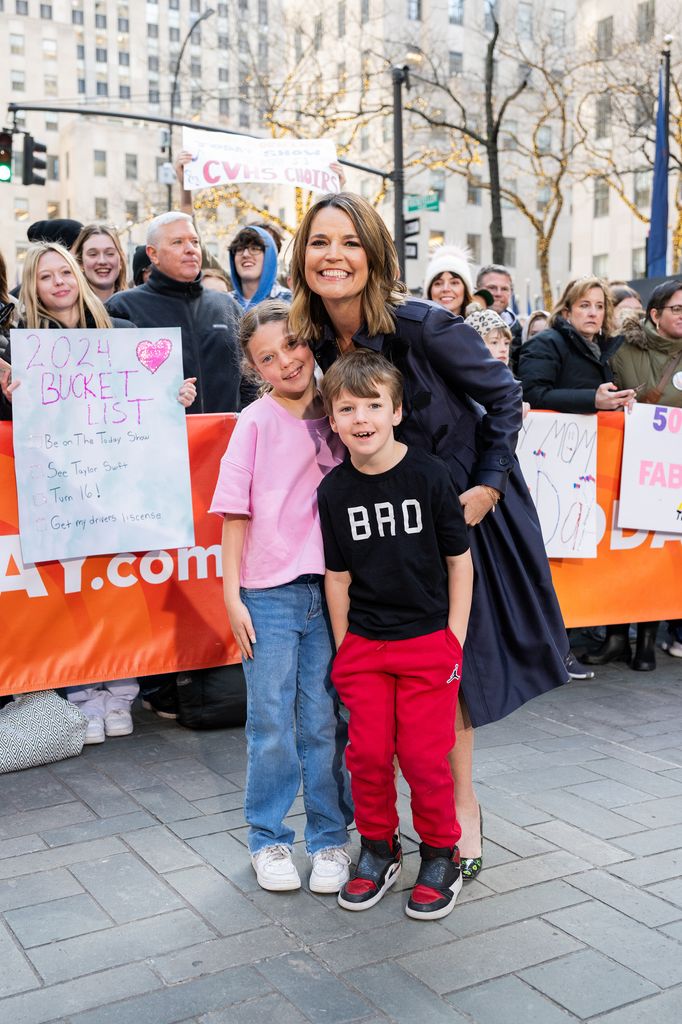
point(516, 643)
point(642, 358)
point(209, 324)
point(268, 286)
point(559, 371)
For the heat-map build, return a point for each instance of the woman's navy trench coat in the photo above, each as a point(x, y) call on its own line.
point(465, 407)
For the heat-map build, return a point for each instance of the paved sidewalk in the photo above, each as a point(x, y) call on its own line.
point(126, 894)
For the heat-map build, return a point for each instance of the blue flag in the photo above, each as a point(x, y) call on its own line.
point(658, 228)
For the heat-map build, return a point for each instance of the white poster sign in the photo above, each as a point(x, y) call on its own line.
point(651, 471)
point(222, 159)
point(100, 442)
point(558, 456)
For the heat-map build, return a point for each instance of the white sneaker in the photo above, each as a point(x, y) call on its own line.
point(673, 647)
point(95, 730)
point(118, 722)
point(331, 870)
point(275, 870)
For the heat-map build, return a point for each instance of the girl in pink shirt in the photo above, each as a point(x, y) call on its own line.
point(273, 568)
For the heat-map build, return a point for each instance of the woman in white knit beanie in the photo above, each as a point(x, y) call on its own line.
point(448, 279)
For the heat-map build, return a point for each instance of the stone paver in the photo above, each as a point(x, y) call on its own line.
point(127, 894)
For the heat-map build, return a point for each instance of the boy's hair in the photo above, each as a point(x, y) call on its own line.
point(359, 373)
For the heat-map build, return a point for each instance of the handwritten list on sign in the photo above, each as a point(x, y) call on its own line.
point(100, 442)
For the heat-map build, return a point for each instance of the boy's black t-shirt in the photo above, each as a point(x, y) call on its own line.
point(391, 531)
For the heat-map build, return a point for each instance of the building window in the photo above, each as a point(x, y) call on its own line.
point(341, 19)
point(46, 12)
point(456, 12)
point(600, 265)
point(605, 38)
point(50, 87)
point(80, 51)
point(124, 92)
point(603, 119)
point(81, 85)
point(262, 50)
point(100, 163)
point(16, 44)
point(543, 197)
point(222, 10)
point(102, 88)
point(524, 20)
point(642, 188)
point(174, 5)
point(152, 30)
point(509, 252)
point(639, 262)
point(195, 68)
point(223, 75)
point(124, 58)
point(51, 122)
point(474, 190)
point(154, 94)
point(491, 15)
point(414, 10)
point(646, 21)
point(101, 54)
point(195, 6)
point(52, 165)
point(262, 12)
point(601, 198)
point(132, 214)
point(77, 17)
point(131, 166)
point(224, 106)
point(195, 100)
point(364, 12)
point(474, 244)
point(558, 27)
point(100, 21)
point(243, 113)
point(21, 7)
point(543, 139)
point(52, 209)
point(101, 208)
point(20, 208)
point(317, 32)
point(123, 25)
point(152, 62)
point(455, 62)
point(50, 49)
point(223, 42)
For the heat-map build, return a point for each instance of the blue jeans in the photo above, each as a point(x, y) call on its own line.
point(293, 725)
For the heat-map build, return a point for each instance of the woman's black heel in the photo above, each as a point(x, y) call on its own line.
point(472, 866)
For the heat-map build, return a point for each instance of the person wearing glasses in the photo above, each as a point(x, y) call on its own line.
point(253, 267)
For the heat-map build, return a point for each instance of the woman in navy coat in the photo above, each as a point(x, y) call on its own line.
point(465, 407)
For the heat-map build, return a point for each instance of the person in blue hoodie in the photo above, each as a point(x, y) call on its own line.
point(253, 267)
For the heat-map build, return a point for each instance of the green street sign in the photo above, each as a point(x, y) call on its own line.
point(427, 202)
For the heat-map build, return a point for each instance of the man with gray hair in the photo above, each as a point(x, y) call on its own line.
point(173, 296)
point(496, 279)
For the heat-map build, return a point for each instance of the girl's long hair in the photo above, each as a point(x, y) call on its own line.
point(383, 291)
point(86, 233)
point(34, 313)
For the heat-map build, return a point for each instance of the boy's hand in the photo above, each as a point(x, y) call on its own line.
point(242, 627)
point(187, 392)
point(476, 503)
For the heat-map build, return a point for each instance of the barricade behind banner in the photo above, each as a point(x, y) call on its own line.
point(87, 620)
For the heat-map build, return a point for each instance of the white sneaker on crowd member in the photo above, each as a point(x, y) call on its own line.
point(331, 870)
point(118, 722)
point(673, 647)
point(275, 870)
point(94, 732)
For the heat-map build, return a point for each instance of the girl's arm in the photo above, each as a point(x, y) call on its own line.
point(336, 586)
point(460, 588)
point(234, 530)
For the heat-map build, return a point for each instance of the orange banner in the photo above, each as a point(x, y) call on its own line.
point(109, 617)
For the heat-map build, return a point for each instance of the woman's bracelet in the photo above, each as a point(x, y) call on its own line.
point(494, 494)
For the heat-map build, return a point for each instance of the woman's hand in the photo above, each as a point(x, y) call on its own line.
point(187, 392)
point(7, 385)
point(242, 627)
point(340, 173)
point(477, 502)
point(183, 158)
point(608, 397)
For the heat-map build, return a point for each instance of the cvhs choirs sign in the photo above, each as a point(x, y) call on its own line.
point(100, 442)
point(222, 159)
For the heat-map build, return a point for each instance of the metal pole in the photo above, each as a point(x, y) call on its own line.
point(399, 76)
point(174, 91)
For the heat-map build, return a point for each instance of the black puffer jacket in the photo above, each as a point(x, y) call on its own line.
point(209, 323)
point(559, 371)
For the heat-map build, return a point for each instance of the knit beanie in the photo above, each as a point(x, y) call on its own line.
point(485, 320)
point(60, 230)
point(451, 258)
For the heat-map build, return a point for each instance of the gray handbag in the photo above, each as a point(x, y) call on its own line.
point(39, 728)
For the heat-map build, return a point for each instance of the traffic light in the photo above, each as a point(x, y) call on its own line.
point(33, 161)
point(6, 156)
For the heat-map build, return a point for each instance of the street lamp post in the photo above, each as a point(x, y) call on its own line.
point(174, 91)
point(400, 77)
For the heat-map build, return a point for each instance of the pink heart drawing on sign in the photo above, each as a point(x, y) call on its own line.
point(153, 354)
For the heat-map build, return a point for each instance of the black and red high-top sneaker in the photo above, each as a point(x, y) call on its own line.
point(438, 882)
point(378, 867)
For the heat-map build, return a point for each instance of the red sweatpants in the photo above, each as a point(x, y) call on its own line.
point(402, 697)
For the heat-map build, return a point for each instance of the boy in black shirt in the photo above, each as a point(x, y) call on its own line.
point(398, 585)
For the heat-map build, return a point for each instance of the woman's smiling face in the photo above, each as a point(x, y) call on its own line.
point(335, 261)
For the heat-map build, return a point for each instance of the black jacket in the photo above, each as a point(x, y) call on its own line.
point(209, 323)
point(558, 371)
